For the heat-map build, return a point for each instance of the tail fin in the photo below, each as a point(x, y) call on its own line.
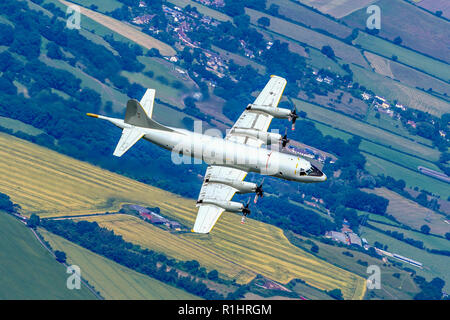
point(147, 101)
point(137, 119)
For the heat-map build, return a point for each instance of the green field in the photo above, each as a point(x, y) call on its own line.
point(202, 9)
point(434, 265)
point(377, 217)
point(303, 15)
point(411, 213)
point(310, 293)
point(111, 279)
point(164, 91)
point(102, 5)
point(395, 162)
point(417, 79)
point(429, 241)
point(333, 254)
point(106, 92)
point(28, 271)
point(327, 130)
point(396, 91)
point(310, 37)
point(416, 60)
point(364, 130)
point(396, 157)
point(420, 30)
point(394, 125)
point(16, 125)
point(377, 166)
point(318, 60)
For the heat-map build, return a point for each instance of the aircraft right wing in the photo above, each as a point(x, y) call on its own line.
point(208, 214)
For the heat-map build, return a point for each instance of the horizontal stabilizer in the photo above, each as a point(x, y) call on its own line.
point(129, 137)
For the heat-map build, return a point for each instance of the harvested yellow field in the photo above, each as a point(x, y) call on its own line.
point(240, 250)
point(50, 184)
point(125, 30)
point(137, 231)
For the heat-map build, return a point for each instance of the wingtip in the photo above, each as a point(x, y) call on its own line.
point(92, 115)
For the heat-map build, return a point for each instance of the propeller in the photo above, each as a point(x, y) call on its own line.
point(259, 191)
point(245, 211)
point(293, 117)
point(284, 140)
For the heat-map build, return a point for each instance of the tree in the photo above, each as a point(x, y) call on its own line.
point(53, 51)
point(6, 34)
point(7, 86)
point(447, 236)
point(430, 290)
point(213, 275)
point(242, 21)
point(315, 248)
point(273, 9)
point(398, 40)
point(5, 203)
point(336, 294)
point(328, 51)
point(264, 22)
point(34, 221)
point(189, 102)
point(425, 229)
point(60, 256)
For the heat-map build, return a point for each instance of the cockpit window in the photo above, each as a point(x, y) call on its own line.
point(312, 171)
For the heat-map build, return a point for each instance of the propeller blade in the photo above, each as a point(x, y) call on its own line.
point(293, 117)
point(259, 192)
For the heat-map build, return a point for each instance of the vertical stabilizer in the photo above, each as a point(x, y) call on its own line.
point(147, 102)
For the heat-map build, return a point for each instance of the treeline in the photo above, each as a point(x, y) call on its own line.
point(285, 215)
point(429, 290)
point(104, 242)
point(401, 237)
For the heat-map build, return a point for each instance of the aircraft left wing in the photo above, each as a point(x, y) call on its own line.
point(208, 214)
point(129, 137)
point(270, 96)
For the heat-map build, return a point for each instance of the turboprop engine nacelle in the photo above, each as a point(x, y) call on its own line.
point(240, 186)
point(280, 113)
point(230, 206)
point(266, 137)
